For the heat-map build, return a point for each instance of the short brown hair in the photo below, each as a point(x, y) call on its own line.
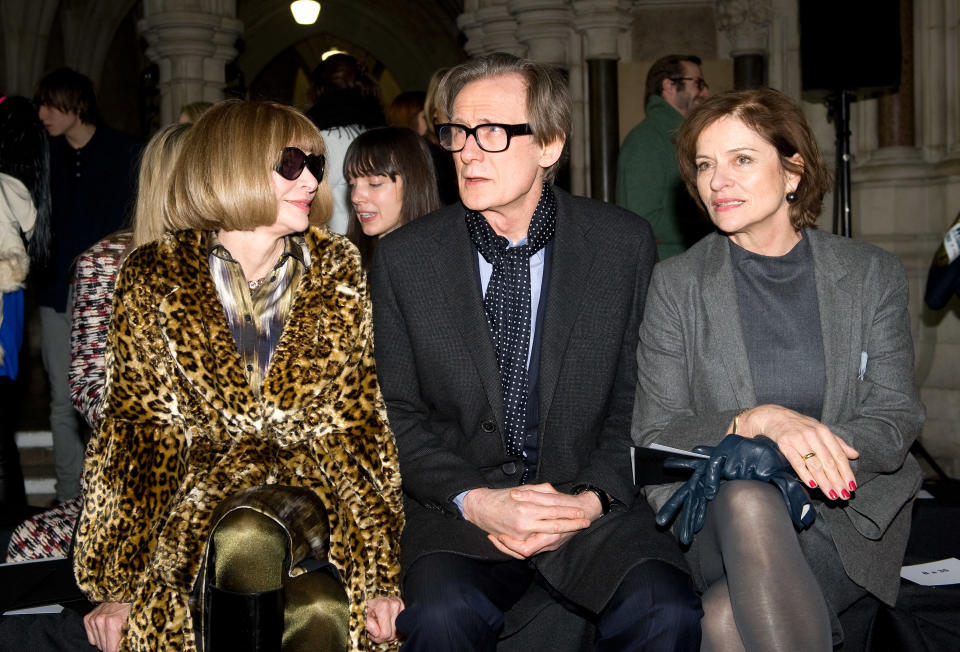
point(222, 178)
point(404, 108)
point(549, 108)
point(668, 67)
point(777, 119)
point(69, 91)
point(392, 152)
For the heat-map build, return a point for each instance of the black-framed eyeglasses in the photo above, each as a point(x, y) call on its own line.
point(293, 160)
point(699, 82)
point(490, 137)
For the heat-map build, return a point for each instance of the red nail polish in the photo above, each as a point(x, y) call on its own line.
point(853, 486)
point(813, 485)
point(833, 494)
point(845, 493)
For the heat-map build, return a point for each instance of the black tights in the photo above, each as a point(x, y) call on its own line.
point(762, 593)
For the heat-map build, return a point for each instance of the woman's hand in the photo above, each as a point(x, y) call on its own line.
point(105, 624)
point(382, 617)
point(798, 436)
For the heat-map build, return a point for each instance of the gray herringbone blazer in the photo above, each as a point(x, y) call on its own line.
point(438, 373)
point(695, 375)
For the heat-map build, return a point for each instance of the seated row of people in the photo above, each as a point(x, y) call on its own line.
point(243, 487)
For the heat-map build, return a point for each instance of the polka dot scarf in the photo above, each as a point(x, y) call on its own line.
point(507, 304)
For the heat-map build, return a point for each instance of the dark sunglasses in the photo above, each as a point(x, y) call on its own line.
point(293, 160)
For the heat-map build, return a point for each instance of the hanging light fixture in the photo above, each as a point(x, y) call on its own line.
point(332, 51)
point(305, 12)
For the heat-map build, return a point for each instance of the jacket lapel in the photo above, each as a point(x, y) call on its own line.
point(836, 298)
point(455, 261)
point(573, 256)
point(722, 327)
point(197, 335)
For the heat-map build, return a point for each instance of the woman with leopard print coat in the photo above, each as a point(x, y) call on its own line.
point(242, 486)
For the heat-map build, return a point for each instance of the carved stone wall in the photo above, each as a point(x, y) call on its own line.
point(191, 43)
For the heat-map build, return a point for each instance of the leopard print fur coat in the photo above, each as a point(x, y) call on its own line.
point(182, 430)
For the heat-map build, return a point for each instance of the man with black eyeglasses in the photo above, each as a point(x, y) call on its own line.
point(506, 333)
point(648, 179)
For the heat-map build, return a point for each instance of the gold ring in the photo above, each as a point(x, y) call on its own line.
point(809, 455)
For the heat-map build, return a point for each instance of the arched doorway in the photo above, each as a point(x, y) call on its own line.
point(401, 44)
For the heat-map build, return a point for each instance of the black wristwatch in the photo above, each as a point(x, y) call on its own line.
point(600, 494)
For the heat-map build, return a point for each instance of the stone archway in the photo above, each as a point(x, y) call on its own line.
point(381, 31)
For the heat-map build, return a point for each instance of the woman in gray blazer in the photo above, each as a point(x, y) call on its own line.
point(772, 327)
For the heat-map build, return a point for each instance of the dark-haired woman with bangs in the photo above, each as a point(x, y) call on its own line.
point(392, 182)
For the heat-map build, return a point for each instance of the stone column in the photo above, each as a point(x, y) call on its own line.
point(604, 128)
point(499, 29)
point(937, 50)
point(746, 24)
point(543, 26)
point(191, 50)
point(602, 22)
point(471, 27)
point(906, 195)
point(895, 111)
point(938, 47)
point(951, 82)
point(892, 141)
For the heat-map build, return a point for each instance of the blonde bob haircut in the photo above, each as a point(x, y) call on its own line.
point(222, 180)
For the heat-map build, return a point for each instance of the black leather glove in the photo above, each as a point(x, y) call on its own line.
point(734, 458)
point(757, 458)
point(689, 501)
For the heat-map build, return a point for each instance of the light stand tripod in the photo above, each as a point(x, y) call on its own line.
point(838, 107)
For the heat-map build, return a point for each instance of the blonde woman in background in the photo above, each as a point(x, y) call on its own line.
point(433, 115)
point(190, 113)
point(97, 270)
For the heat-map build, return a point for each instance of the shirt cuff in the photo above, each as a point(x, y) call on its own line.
point(458, 500)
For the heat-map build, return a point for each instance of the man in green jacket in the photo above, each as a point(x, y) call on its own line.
point(648, 181)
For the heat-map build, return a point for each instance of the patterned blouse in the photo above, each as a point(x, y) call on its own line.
point(256, 316)
point(92, 290)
